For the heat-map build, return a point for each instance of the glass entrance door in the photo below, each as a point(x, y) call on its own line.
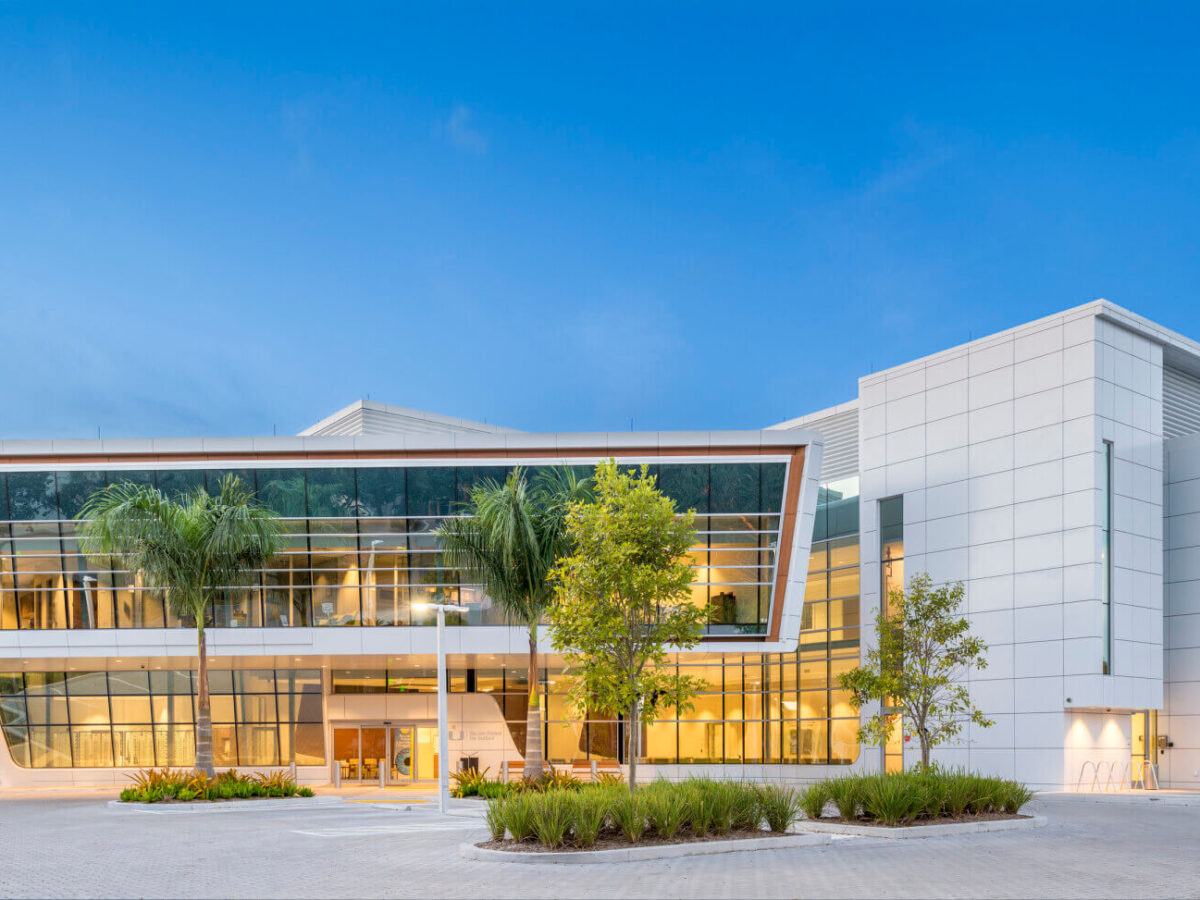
point(1144, 749)
point(427, 753)
point(346, 752)
point(359, 751)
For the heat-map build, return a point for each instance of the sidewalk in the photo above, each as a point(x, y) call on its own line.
point(1168, 797)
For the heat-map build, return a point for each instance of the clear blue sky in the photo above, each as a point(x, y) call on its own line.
point(221, 220)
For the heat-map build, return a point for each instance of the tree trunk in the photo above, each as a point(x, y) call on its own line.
point(631, 747)
point(204, 748)
point(533, 717)
point(924, 750)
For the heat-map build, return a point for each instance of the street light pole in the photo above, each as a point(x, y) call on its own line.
point(443, 736)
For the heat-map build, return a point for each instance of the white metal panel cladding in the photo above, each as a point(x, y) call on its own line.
point(1181, 403)
point(841, 443)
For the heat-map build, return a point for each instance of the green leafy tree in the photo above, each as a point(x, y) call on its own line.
point(508, 542)
point(623, 602)
point(193, 549)
point(925, 651)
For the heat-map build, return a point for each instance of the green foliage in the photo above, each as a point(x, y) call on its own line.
point(779, 805)
point(552, 818)
point(722, 805)
point(493, 817)
point(509, 540)
point(590, 814)
point(814, 798)
point(628, 813)
point(747, 806)
point(494, 790)
point(891, 800)
point(467, 782)
point(1012, 795)
point(190, 549)
point(517, 813)
point(193, 550)
point(925, 650)
point(155, 785)
point(699, 807)
point(923, 795)
point(666, 809)
point(610, 779)
point(845, 794)
point(623, 600)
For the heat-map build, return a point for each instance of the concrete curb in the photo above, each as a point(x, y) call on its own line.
point(921, 831)
point(638, 854)
point(262, 804)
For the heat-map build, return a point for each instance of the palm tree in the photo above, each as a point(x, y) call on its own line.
point(193, 549)
point(507, 542)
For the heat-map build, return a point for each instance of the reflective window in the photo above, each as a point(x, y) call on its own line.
point(32, 495)
point(98, 719)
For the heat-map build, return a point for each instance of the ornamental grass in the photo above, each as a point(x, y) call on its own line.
point(923, 795)
point(698, 808)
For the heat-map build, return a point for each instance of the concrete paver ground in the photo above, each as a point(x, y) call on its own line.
point(59, 845)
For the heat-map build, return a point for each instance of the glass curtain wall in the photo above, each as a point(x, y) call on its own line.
point(757, 708)
point(359, 548)
point(261, 717)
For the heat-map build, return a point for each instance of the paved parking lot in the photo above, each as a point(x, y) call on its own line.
point(77, 846)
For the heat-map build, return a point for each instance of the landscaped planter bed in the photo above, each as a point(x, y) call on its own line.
point(619, 850)
point(617, 842)
point(924, 828)
point(153, 786)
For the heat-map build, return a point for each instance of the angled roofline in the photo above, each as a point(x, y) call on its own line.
point(408, 418)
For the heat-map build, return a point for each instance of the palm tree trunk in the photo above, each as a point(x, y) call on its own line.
point(533, 717)
point(631, 750)
point(204, 748)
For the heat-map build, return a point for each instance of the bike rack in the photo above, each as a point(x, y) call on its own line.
point(1118, 776)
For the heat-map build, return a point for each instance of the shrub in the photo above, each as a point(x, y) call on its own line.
point(185, 794)
point(493, 817)
point(129, 795)
point(553, 813)
point(629, 815)
point(845, 794)
point(304, 792)
point(494, 790)
point(814, 798)
point(959, 790)
point(723, 799)
point(747, 806)
point(467, 782)
point(666, 809)
point(891, 799)
point(609, 779)
point(701, 808)
point(589, 815)
point(1013, 795)
point(517, 812)
point(983, 791)
point(780, 806)
point(932, 786)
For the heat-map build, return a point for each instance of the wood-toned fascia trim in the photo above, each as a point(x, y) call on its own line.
point(50, 460)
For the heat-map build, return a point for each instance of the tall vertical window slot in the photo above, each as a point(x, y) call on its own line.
point(891, 547)
point(891, 578)
point(1106, 560)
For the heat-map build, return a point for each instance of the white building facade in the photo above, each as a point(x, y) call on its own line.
point(1054, 469)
